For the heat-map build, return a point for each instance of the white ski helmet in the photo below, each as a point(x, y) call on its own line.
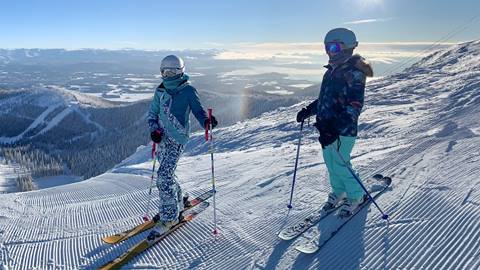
point(172, 65)
point(343, 35)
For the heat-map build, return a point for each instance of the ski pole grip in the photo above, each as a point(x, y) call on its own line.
point(209, 123)
point(210, 110)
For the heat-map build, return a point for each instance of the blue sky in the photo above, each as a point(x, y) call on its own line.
point(191, 24)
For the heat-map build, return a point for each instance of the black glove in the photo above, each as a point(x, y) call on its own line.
point(156, 135)
point(328, 133)
point(214, 122)
point(302, 115)
point(326, 139)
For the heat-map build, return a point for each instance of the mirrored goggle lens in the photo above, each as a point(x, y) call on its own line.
point(166, 73)
point(333, 47)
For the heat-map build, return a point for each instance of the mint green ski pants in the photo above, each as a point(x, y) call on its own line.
point(340, 177)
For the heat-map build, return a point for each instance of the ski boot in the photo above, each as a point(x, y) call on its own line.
point(350, 206)
point(333, 200)
point(160, 228)
point(186, 201)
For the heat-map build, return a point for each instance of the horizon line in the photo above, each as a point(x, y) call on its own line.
point(394, 43)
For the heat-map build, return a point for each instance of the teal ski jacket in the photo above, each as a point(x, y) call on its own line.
point(172, 103)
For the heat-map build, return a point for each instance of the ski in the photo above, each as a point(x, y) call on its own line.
point(146, 244)
point(296, 230)
point(315, 243)
point(119, 237)
point(299, 228)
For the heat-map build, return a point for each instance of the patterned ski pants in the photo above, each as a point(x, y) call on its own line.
point(168, 187)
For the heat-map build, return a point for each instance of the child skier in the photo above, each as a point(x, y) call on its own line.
point(337, 110)
point(169, 123)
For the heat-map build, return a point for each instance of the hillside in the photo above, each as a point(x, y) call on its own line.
point(419, 126)
point(72, 127)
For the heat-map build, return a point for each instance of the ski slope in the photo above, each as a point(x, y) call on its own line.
point(419, 126)
point(51, 99)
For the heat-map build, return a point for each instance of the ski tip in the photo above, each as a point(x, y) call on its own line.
point(306, 250)
point(286, 234)
point(285, 237)
point(281, 235)
point(108, 241)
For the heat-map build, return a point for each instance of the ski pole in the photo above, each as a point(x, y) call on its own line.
point(154, 159)
point(296, 165)
point(215, 230)
point(384, 216)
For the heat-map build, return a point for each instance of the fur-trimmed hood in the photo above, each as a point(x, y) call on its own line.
point(360, 63)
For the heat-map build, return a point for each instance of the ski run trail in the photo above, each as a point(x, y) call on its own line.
point(420, 126)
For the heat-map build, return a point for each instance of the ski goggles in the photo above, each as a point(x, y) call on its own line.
point(170, 72)
point(334, 47)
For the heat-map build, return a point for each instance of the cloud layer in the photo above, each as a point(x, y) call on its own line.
point(311, 52)
point(306, 60)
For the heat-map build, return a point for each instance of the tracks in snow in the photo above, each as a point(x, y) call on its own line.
point(430, 227)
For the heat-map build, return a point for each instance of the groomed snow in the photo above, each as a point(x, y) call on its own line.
point(416, 127)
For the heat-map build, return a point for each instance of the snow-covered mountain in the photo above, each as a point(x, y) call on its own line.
point(30, 113)
point(419, 126)
point(75, 127)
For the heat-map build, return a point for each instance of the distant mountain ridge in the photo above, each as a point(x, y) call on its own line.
point(88, 133)
point(52, 56)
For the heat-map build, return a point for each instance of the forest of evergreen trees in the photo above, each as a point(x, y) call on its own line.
point(31, 163)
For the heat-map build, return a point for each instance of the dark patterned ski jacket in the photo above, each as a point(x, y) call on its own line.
point(341, 97)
